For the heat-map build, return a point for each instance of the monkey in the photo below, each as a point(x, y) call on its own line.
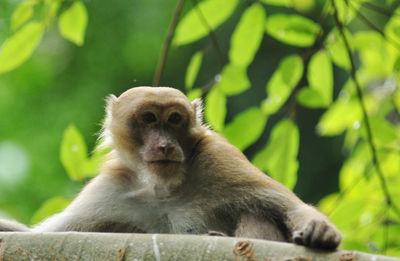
point(11, 225)
point(168, 172)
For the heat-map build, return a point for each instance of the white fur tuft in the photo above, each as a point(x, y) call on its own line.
point(105, 136)
point(198, 106)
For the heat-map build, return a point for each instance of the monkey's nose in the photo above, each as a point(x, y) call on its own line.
point(165, 149)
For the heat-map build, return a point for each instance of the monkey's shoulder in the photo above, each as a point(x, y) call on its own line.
point(222, 162)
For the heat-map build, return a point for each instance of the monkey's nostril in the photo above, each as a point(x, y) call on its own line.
point(165, 149)
point(162, 148)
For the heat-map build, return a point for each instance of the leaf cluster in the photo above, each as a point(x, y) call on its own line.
point(363, 106)
point(31, 19)
point(364, 209)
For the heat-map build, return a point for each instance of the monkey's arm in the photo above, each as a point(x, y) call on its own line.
point(98, 208)
point(269, 202)
point(10, 225)
point(304, 224)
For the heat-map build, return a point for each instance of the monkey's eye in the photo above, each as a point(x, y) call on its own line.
point(149, 117)
point(175, 118)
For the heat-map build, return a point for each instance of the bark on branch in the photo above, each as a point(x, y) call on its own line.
point(108, 246)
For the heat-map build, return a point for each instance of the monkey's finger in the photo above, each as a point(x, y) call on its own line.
point(317, 239)
point(331, 238)
point(298, 237)
point(216, 233)
point(302, 237)
point(308, 232)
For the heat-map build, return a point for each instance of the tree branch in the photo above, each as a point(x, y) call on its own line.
point(211, 34)
point(111, 246)
point(353, 74)
point(167, 43)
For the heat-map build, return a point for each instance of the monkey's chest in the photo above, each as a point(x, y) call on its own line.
point(170, 218)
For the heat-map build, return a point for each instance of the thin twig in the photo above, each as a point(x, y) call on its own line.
point(167, 43)
point(207, 87)
point(385, 232)
point(211, 34)
point(360, 95)
point(376, 28)
point(377, 9)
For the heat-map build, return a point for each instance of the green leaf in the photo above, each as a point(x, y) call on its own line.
point(215, 110)
point(396, 65)
point(193, 69)
point(285, 3)
point(50, 11)
point(351, 138)
point(354, 168)
point(311, 98)
point(92, 165)
point(233, 80)
point(279, 157)
point(304, 6)
point(73, 153)
point(342, 114)
point(392, 28)
point(345, 12)
point(396, 100)
point(282, 83)
point(367, 40)
point(299, 5)
point(72, 23)
point(391, 168)
point(320, 75)
point(384, 133)
point(194, 94)
point(292, 29)
point(22, 13)
point(291, 69)
point(355, 206)
point(375, 57)
point(19, 47)
point(245, 128)
point(320, 78)
point(247, 36)
point(328, 203)
point(337, 49)
point(50, 207)
point(208, 14)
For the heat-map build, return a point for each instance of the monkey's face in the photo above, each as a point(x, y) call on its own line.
point(152, 128)
point(161, 131)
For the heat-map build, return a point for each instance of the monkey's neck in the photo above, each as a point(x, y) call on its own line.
point(160, 186)
point(144, 184)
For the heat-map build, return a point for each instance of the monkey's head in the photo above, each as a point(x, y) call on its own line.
point(155, 128)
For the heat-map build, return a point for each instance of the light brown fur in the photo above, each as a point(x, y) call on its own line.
point(168, 173)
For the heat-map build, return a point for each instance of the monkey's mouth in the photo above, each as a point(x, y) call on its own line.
point(163, 162)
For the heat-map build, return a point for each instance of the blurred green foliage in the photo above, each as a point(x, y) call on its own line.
point(308, 89)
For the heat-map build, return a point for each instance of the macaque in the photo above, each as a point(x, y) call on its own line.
point(167, 172)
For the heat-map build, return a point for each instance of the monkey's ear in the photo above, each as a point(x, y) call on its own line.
point(198, 107)
point(105, 139)
point(110, 100)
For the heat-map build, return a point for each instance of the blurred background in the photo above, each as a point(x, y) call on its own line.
point(63, 84)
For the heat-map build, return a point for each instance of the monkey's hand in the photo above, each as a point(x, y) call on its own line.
point(216, 233)
point(318, 234)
